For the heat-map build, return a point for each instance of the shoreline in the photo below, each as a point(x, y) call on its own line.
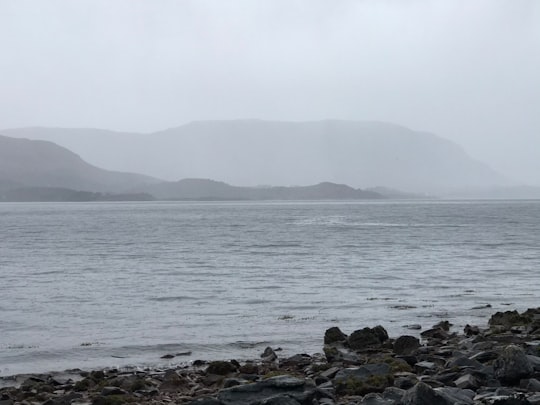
point(498, 365)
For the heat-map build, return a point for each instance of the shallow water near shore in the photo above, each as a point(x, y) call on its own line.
point(116, 284)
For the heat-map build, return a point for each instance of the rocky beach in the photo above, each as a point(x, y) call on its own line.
point(497, 365)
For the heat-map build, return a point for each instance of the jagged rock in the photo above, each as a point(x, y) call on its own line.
point(467, 381)
point(340, 354)
point(423, 394)
point(269, 355)
point(334, 335)
point(534, 361)
point(367, 338)
point(376, 399)
point(406, 345)
point(512, 365)
point(471, 330)
point(298, 361)
point(533, 385)
point(509, 319)
point(172, 382)
point(394, 394)
point(435, 333)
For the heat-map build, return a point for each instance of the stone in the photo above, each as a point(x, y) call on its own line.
point(534, 361)
point(205, 401)
point(362, 380)
point(221, 368)
point(334, 335)
point(375, 399)
point(106, 391)
point(269, 355)
point(533, 385)
point(406, 345)
point(471, 330)
point(512, 365)
point(367, 338)
point(466, 381)
point(297, 361)
point(423, 394)
point(284, 386)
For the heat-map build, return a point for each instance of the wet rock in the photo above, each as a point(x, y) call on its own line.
point(406, 345)
point(340, 354)
point(297, 361)
point(471, 330)
point(106, 391)
point(533, 385)
point(284, 386)
point(435, 333)
point(375, 399)
point(367, 338)
point(508, 319)
point(467, 381)
point(172, 382)
point(364, 379)
point(334, 335)
point(423, 394)
point(221, 367)
point(269, 355)
point(534, 361)
point(512, 365)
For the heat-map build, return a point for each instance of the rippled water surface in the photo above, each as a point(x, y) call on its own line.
point(113, 284)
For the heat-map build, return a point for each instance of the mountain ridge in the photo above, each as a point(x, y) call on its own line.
point(363, 154)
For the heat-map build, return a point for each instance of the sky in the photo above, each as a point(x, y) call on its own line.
point(466, 70)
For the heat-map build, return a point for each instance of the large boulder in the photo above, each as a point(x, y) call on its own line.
point(423, 394)
point(265, 391)
point(367, 338)
point(512, 365)
point(334, 335)
point(406, 345)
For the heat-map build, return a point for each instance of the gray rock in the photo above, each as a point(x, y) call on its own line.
point(279, 400)
point(376, 399)
point(393, 393)
point(256, 393)
point(512, 365)
point(467, 381)
point(406, 345)
point(269, 355)
point(534, 361)
point(221, 368)
point(330, 373)
point(106, 391)
point(367, 338)
point(423, 394)
point(533, 385)
point(456, 395)
point(205, 401)
point(334, 335)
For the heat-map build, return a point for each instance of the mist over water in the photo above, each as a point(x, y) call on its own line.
point(109, 284)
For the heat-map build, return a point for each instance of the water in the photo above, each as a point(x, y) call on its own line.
point(115, 284)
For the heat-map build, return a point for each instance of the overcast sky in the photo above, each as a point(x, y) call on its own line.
point(467, 70)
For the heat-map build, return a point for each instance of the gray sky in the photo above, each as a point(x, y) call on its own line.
point(466, 70)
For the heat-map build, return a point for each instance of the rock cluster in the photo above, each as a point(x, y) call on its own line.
point(499, 365)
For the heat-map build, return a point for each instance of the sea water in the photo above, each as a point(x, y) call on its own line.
point(115, 284)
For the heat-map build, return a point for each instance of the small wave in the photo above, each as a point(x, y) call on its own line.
point(173, 298)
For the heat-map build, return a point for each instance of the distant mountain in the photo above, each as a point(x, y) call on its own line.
point(252, 152)
point(55, 194)
point(203, 189)
point(29, 163)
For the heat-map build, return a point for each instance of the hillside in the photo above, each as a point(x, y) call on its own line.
point(30, 163)
point(254, 152)
point(203, 189)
